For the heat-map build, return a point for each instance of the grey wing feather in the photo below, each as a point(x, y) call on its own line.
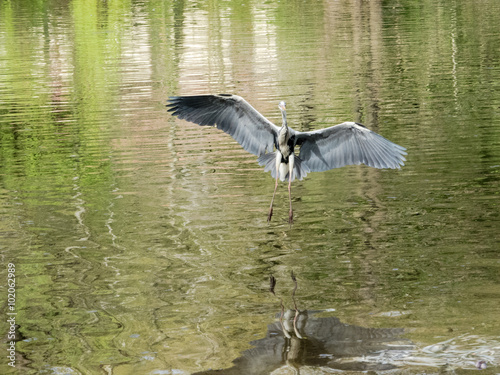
point(230, 113)
point(346, 144)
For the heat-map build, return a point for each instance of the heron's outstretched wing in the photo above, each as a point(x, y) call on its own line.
point(346, 144)
point(230, 113)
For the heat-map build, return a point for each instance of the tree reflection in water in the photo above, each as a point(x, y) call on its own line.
point(300, 339)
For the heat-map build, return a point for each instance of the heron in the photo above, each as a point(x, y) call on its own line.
point(319, 150)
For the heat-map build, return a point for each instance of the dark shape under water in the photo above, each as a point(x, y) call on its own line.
point(325, 342)
point(300, 339)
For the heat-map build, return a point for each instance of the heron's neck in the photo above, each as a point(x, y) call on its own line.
point(283, 136)
point(285, 125)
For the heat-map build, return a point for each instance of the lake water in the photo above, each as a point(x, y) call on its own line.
point(140, 242)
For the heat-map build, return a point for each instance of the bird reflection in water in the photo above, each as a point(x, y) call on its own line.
point(299, 339)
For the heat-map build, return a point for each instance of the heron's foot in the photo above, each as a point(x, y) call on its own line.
point(290, 217)
point(270, 215)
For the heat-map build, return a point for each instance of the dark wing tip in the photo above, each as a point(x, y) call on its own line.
point(172, 103)
point(175, 106)
point(173, 98)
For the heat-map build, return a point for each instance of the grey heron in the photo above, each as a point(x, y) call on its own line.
point(320, 150)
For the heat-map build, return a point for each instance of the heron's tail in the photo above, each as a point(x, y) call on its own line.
point(300, 168)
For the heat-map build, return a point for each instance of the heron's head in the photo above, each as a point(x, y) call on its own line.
point(282, 106)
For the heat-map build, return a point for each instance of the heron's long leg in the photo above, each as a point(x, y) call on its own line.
point(272, 200)
point(291, 163)
point(278, 162)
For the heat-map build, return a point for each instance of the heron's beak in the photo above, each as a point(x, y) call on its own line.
point(282, 106)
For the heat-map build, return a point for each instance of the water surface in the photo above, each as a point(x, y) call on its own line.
point(140, 241)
